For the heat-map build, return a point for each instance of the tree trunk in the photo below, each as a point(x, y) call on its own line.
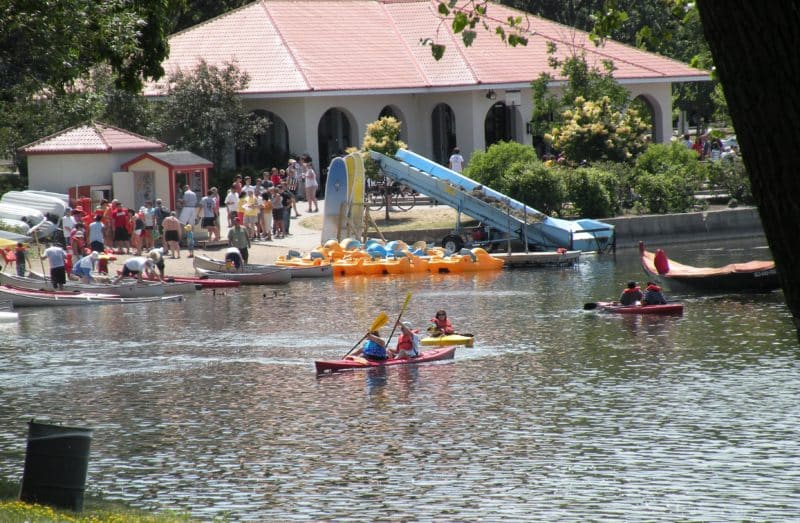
point(755, 49)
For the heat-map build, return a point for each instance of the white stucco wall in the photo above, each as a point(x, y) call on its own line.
point(60, 172)
point(303, 114)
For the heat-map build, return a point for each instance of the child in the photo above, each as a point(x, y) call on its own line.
point(189, 235)
point(21, 261)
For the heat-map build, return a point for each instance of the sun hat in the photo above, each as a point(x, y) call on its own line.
point(407, 325)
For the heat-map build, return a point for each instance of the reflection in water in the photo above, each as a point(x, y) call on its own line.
point(212, 404)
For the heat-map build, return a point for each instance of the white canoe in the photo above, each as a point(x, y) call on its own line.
point(201, 261)
point(47, 205)
point(310, 271)
point(23, 298)
point(126, 289)
point(278, 276)
point(23, 213)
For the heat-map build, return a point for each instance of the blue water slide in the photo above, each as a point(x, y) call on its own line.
point(493, 208)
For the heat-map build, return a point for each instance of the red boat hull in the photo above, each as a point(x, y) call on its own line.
point(205, 283)
point(669, 308)
point(437, 354)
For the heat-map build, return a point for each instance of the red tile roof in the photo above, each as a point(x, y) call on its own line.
point(297, 46)
point(92, 138)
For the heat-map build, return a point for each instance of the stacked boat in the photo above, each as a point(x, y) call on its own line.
point(350, 258)
point(249, 274)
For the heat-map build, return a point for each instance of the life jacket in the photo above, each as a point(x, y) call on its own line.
point(374, 349)
point(443, 325)
point(653, 288)
point(629, 290)
point(404, 342)
point(661, 262)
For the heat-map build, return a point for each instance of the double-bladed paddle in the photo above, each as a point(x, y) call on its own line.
point(402, 310)
point(381, 320)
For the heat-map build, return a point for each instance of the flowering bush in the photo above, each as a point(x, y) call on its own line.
point(383, 136)
point(594, 131)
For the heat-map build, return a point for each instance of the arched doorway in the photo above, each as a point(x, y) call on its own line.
point(334, 135)
point(271, 148)
point(397, 114)
point(443, 127)
point(500, 123)
point(647, 112)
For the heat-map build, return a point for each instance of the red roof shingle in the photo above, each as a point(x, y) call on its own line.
point(92, 138)
point(296, 46)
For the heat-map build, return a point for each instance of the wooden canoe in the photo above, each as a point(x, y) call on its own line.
point(753, 276)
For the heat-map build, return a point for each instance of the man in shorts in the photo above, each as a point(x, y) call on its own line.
point(137, 266)
point(208, 208)
point(56, 257)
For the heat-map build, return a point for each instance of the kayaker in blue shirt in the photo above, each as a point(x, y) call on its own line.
point(653, 295)
point(631, 295)
point(374, 348)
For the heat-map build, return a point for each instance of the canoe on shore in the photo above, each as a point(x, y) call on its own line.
point(448, 339)
point(437, 354)
point(203, 282)
point(616, 308)
point(276, 277)
point(126, 289)
point(24, 298)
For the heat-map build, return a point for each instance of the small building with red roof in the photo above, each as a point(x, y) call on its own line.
point(99, 161)
point(322, 70)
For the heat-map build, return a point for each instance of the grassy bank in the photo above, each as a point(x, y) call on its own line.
point(95, 510)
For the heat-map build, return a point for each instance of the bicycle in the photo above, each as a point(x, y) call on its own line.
point(402, 197)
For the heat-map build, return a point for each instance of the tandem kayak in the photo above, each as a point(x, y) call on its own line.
point(615, 307)
point(449, 339)
point(439, 353)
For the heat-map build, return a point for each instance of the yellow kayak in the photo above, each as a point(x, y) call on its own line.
point(449, 339)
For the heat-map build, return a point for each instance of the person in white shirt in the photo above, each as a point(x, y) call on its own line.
point(67, 224)
point(231, 203)
point(456, 162)
point(56, 257)
point(136, 266)
point(189, 209)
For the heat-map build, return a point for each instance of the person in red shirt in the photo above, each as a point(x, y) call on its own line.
point(120, 222)
point(275, 177)
point(440, 325)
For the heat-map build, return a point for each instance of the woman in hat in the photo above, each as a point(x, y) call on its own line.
point(407, 343)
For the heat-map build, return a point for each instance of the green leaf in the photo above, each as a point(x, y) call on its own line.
point(468, 37)
point(443, 10)
point(460, 21)
point(437, 50)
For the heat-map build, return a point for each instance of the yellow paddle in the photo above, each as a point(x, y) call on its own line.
point(402, 310)
point(381, 320)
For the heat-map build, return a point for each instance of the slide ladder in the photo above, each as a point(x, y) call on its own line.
point(492, 208)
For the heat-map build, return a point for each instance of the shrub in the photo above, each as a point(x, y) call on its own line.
point(666, 178)
point(535, 185)
point(489, 167)
point(730, 174)
point(596, 130)
point(590, 190)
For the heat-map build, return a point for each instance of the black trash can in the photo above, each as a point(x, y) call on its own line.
point(56, 463)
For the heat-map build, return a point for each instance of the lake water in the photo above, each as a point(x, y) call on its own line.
point(557, 414)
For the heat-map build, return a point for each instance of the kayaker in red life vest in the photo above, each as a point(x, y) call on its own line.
point(440, 325)
point(407, 343)
point(653, 295)
point(632, 295)
point(374, 349)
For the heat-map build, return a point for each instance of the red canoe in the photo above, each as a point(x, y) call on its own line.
point(439, 353)
point(615, 307)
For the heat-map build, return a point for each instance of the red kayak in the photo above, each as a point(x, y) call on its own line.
point(615, 307)
point(439, 353)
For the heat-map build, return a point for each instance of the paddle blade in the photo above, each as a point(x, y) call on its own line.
point(408, 299)
point(589, 306)
point(381, 320)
